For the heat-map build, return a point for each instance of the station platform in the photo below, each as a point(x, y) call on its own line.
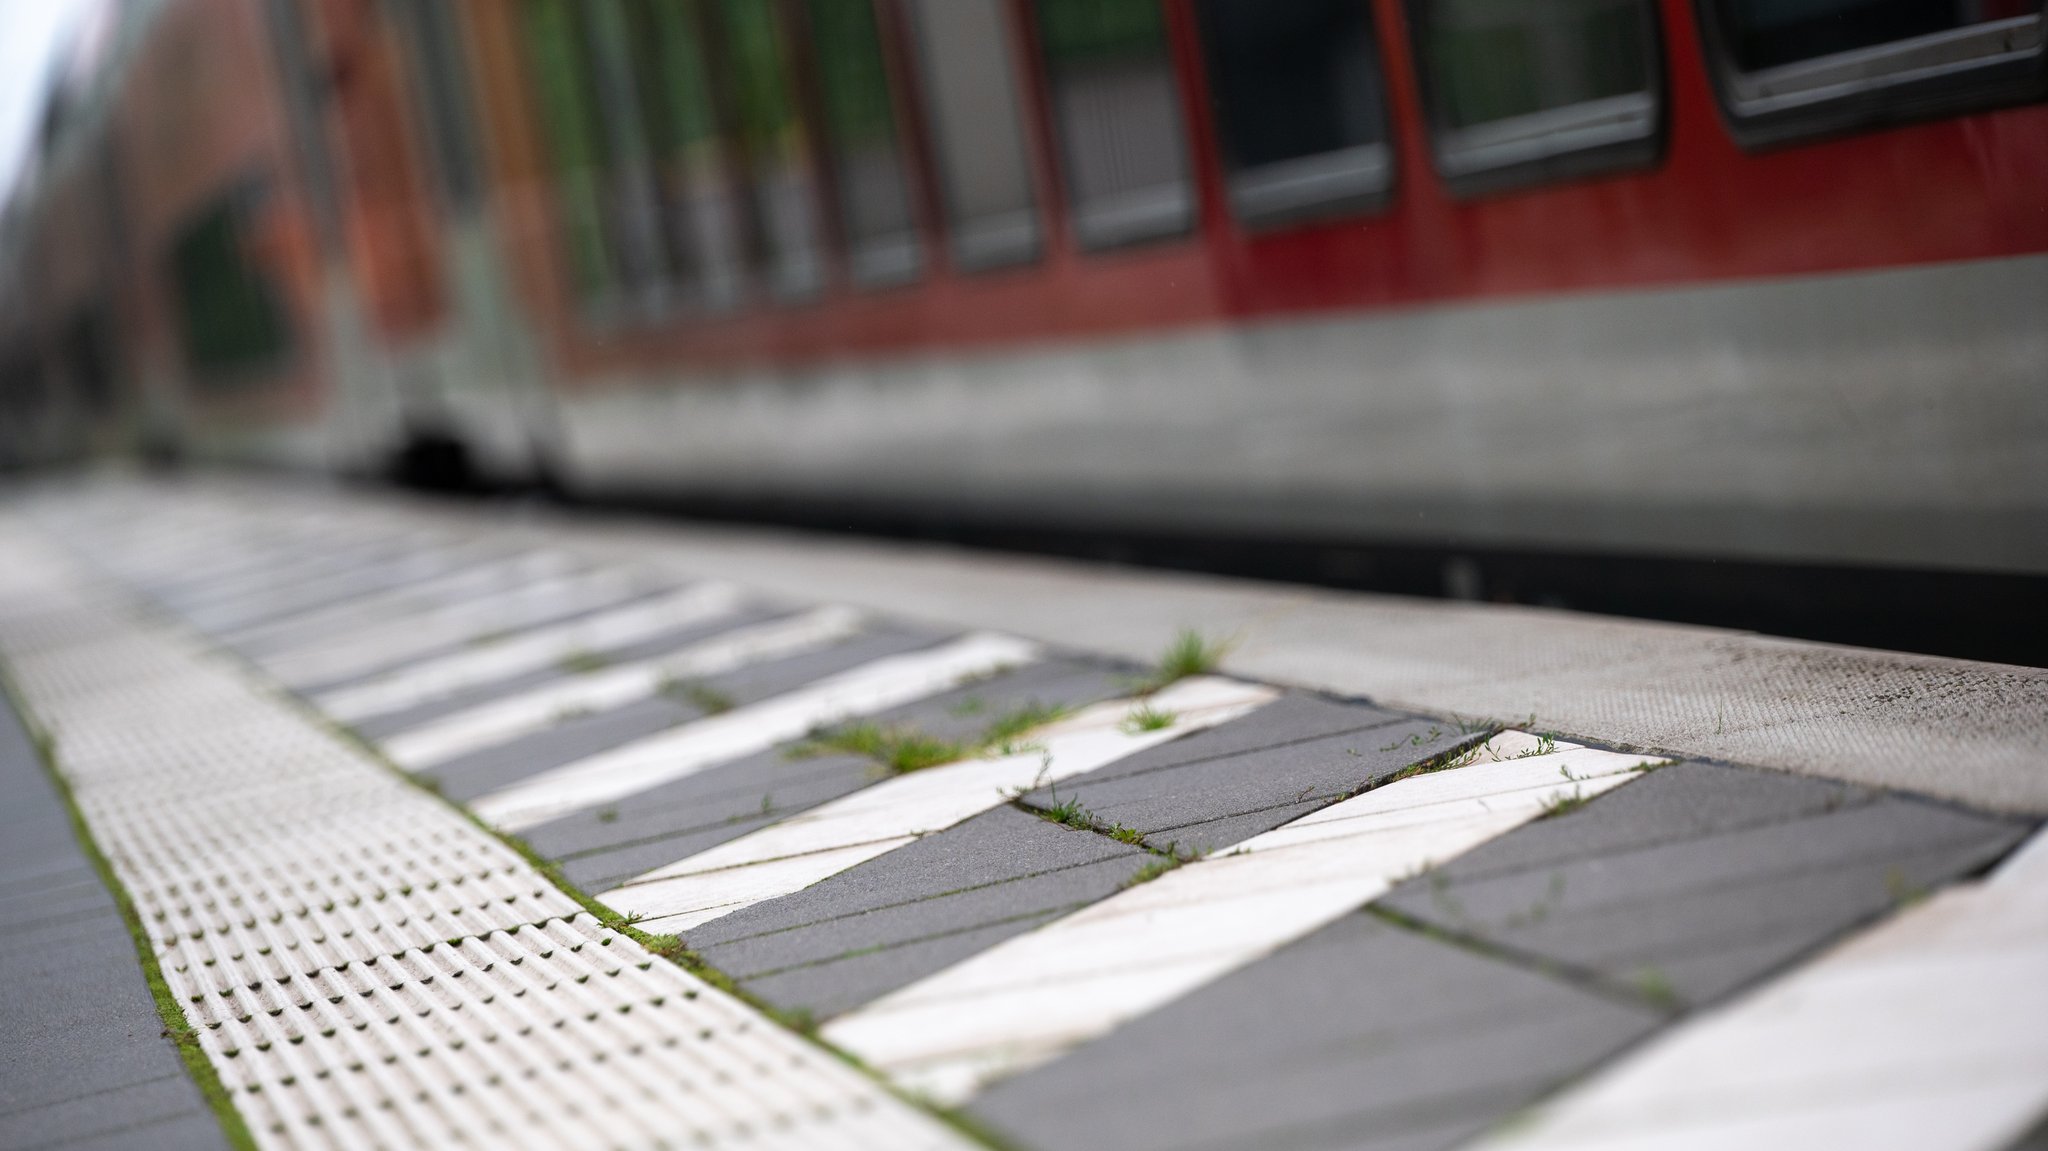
point(508, 825)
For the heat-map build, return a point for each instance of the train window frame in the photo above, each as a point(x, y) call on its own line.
point(978, 242)
point(1919, 78)
point(1126, 218)
point(1355, 180)
point(873, 260)
point(1592, 138)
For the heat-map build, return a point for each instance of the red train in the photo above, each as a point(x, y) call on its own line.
point(1717, 278)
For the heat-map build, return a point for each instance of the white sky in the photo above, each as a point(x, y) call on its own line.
point(31, 33)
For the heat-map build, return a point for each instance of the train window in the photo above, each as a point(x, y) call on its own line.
point(229, 319)
point(860, 130)
point(1300, 111)
point(1117, 109)
point(970, 91)
point(641, 252)
point(439, 73)
point(699, 220)
point(1521, 93)
point(570, 122)
point(771, 133)
point(1791, 70)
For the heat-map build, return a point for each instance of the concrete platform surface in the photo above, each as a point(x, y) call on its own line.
point(513, 826)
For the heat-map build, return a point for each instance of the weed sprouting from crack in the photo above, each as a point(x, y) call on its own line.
point(1655, 988)
point(1564, 804)
point(1189, 654)
point(1008, 728)
point(1545, 745)
point(583, 662)
point(1153, 869)
point(904, 748)
point(1416, 739)
point(696, 693)
point(1145, 717)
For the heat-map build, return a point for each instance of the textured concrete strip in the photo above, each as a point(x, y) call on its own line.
point(1361, 1036)
point(575, 738)
point(86, 1056)
point(431, 681)
point(600, 849)
point(505, 719)
point(1970, 732)
point(636, 767)
point(844, 941)
point(1703, 878)
point(1026, 1001)
point(1928, 1032)
point(363, 966)
point(394, 643)
point(1228, 784)
point(826, 840)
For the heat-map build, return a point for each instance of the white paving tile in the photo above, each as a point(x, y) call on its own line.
point(431, 680)
point(1928, 1032)
point(1036, 995)
point(503, 720)
point(828, 839)
point(634, 767)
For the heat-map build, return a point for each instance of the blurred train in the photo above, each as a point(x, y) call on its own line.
point(1744, 280)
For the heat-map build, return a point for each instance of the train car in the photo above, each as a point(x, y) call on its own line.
point(1707, 277)
point(1723, 279)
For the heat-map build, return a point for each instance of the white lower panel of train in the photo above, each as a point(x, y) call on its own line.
point(1897, 417)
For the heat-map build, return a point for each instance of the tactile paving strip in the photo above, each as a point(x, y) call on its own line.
point(364, 967)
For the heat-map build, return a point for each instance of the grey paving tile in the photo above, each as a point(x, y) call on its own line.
point(761, 681)
point(1702, 945)
point(392, 722)
point(604, 846)
point(997, 847)
point(890, 921)
point(824, 990)
point(1692, 886)
point(1679, 802)
point(1360, 1035)
point(467, 776)
point(1294, 717)
point(85, 1047)
point(2035, 1139)
point(190, 1131)
point(130, 1115)
point(689, 815)
point(1208, 802)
